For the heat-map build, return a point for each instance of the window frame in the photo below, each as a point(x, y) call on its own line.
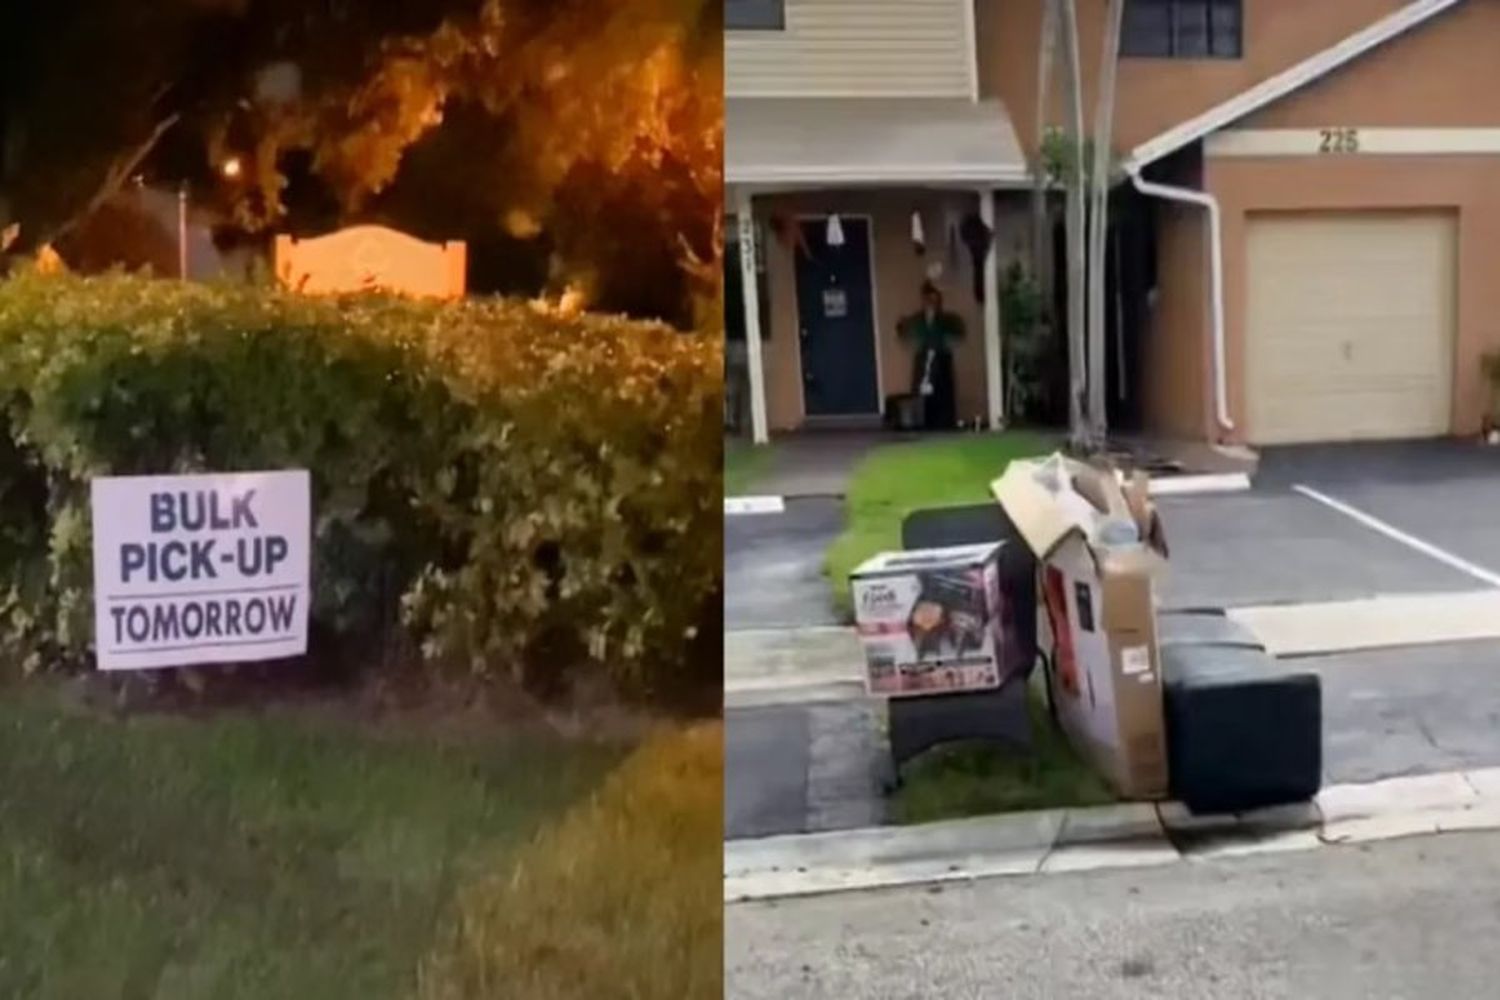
point(1169, 48)
point(755, 15)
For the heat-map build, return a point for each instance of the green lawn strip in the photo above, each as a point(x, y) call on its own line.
point(744, 464)
point(241, 855)
point(977, 779)
point(623, 898)
point(893, 481)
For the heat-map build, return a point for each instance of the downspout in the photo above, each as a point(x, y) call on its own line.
point(1216, 277)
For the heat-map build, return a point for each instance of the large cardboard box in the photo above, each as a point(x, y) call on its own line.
point(932, 621)
point(1099, 551)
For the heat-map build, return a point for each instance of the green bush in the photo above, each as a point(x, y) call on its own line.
point(515, 490)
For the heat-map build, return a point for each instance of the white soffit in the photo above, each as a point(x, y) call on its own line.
point(830, 142)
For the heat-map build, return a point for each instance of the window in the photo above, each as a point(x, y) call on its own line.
point(755, 15)
point(1182, 29)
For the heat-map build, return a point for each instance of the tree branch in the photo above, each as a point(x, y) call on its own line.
point(115, 178)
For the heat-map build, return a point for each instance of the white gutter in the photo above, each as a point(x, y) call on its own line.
point(1216, 278)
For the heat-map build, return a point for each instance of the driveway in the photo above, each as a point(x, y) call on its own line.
point(1297, 535)
point(1339, 522)
point(811, 764)
point(773, 566)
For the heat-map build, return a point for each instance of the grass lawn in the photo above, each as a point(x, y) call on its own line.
point(977, 779)
point(896, 480)
point(744, 463)
point(237, 855)
point(624, 899)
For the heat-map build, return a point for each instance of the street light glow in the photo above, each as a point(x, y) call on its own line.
point(231, 167)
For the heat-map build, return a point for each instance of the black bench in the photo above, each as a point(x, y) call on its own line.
point(917, 724)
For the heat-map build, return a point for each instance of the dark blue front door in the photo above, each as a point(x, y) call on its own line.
point(836, 320)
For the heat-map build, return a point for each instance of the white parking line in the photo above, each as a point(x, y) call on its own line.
point(1410, 541)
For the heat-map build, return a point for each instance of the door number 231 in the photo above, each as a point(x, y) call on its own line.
point(1338, 140)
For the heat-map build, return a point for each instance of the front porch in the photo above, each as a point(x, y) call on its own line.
point(841, 210)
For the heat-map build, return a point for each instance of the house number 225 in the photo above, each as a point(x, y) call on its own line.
point(1338, 140)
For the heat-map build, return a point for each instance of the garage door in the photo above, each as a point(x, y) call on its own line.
point(1350, 326)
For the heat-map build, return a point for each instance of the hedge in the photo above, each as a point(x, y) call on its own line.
point(511, 490)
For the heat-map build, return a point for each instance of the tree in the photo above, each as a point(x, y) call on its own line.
point(1098, 237)
point(79, 111)
point(1041, 222)
point(1075, 181)
point(609, 111)
point(592, 120)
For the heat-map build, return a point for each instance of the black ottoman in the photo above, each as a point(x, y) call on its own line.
point(1242, 731)
point(1202, 628)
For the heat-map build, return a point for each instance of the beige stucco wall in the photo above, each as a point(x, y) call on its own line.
point(1156, 94)
point(1442, 75)
point(1176, 390)
point(898, 276)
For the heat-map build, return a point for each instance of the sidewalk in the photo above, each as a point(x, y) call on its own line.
point(1118, 836)
point(819, 463)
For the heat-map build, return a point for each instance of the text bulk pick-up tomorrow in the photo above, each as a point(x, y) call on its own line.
point(200, 569)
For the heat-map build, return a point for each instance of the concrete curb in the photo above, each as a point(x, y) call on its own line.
point(803, 692)
point(1198, 485)
point(1126, 835)
point(742, 505)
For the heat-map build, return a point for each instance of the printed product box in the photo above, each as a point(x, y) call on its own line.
point(932, 621)
point(1100, 550)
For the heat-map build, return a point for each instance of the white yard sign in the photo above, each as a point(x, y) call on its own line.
point(200, 569)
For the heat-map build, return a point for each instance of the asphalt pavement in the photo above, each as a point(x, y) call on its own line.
point(1397, 920)
point(773, 566)
point(1418, 709)
point(1275, 545)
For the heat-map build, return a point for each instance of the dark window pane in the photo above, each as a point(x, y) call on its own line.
point(1147, 29)
point(1190, 30)
point(754, 15)
point(1225, 28)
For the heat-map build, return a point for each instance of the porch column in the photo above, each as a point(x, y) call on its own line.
point(993, 368)
point(745, 216)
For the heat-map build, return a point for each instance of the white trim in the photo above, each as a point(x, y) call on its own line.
point(750, 283)
point(869, 221)
point(834, 175)
point(1276, 87)
point(1232, 143)
point(736, 91)
point(971, 36)
point(1410, 541)
point(994, 368)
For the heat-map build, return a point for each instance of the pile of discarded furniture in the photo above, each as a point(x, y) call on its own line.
point(1063, 570)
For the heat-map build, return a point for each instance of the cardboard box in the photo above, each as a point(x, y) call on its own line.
point(932, 621)
point(1100, 550)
